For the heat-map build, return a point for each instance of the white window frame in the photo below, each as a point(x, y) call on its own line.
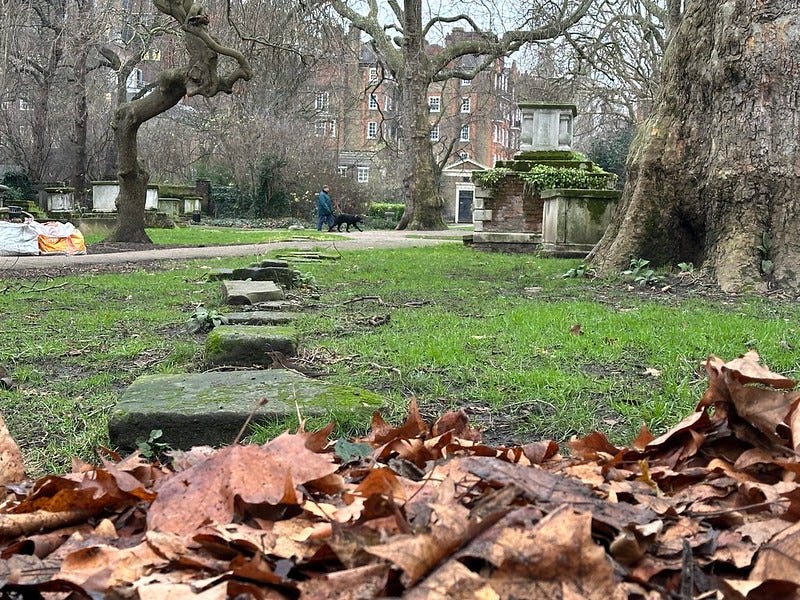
point(435, 133)
point(387, 103)
point(342, 170)
point(362, 174)
point(319, 128)
point(321, 101)
point(464, 135)
point(372, 102)
point(373, 74)
point(332, 126)
point(434, 104)
point(466, 82)
point(5, 105)
point(372, 130)
point(466, 105)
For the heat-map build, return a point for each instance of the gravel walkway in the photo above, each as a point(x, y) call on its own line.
point(349, 241)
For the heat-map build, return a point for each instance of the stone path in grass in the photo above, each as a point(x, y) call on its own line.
point(248, 358)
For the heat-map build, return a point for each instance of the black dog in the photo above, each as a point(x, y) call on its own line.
point(347, 220)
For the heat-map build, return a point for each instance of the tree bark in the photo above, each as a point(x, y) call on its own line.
point(200, 77)
point(422, 199)
point(714, 173)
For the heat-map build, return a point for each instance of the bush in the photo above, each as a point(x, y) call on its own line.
point(379, 209)
point(20, 186)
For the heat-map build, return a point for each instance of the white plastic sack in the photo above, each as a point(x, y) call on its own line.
point(17, 239)
point(59, 238)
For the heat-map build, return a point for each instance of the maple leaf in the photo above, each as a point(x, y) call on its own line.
point(206, 492)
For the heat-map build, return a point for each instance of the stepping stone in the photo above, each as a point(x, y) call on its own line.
point(219, 274)
point(299, 255)
point(250, 292)
point(248, 345)
point(282, 275)
point(271, 262)
point(210, 408)
point(260, 317)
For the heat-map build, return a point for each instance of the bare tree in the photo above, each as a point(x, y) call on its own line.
point(34, 52)
point(200, 76)
point(400, 34)
point(714, 173)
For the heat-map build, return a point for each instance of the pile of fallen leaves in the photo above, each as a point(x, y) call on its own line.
point(708, 510)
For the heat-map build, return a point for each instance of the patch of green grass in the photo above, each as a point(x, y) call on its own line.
point(527, 353)
point(222, 236)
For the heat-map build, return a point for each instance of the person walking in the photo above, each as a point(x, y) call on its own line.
point(324, 208)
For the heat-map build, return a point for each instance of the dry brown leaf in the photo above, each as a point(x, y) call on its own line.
point(538, 452)
point(418, 554)
point(778, 558)
point(381, 432)
point(559, 549)
point(206, 492)
point(12, 467)
point(748, 369)
point(592, 446)
point(351, 584)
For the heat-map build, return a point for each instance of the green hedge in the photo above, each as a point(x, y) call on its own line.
point(379, 209)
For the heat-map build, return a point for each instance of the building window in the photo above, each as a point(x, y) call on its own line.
point(24, 105)
point(362, 174)
point(464, 133)
point(342, 170)
point(372, 130)
point(332, 128)
point(6, 105)
point(153, 54)
point(434, 103)
point(466, 82)
point(373, 102)
point(435, 133)
point(387, 103)
point(465, 105)
point(321, 101)
point(319, 128)
point(373, 74)
point(463, 155)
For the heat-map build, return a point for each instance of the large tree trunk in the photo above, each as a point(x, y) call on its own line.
point(715, 171)
point(132, 175)
point(422, 199)
point(200, 77)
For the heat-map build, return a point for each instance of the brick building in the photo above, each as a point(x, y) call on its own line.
point(474, 123)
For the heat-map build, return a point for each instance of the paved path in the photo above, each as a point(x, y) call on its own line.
point(349, 241)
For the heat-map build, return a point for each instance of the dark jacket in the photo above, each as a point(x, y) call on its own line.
point(324, 206)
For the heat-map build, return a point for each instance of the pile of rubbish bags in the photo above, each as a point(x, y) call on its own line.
point(34, 238)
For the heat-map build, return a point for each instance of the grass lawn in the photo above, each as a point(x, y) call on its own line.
point(195, 235)
point(527, 353)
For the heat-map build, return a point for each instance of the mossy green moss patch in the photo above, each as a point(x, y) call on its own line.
point(210, 408)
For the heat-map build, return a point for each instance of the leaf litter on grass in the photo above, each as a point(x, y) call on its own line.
point(709, 509)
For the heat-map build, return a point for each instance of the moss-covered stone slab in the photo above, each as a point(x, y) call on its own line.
point(210, 408)
point(273, 262)
point(248, 345)
point(260, 317)
point(250, 292)
point(281, 275)
point(219, 274)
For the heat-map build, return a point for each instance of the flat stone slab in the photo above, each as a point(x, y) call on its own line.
point(250, 292)
point(210, 408)
point(282, 275)
point(260, 317)
point(248, 345)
